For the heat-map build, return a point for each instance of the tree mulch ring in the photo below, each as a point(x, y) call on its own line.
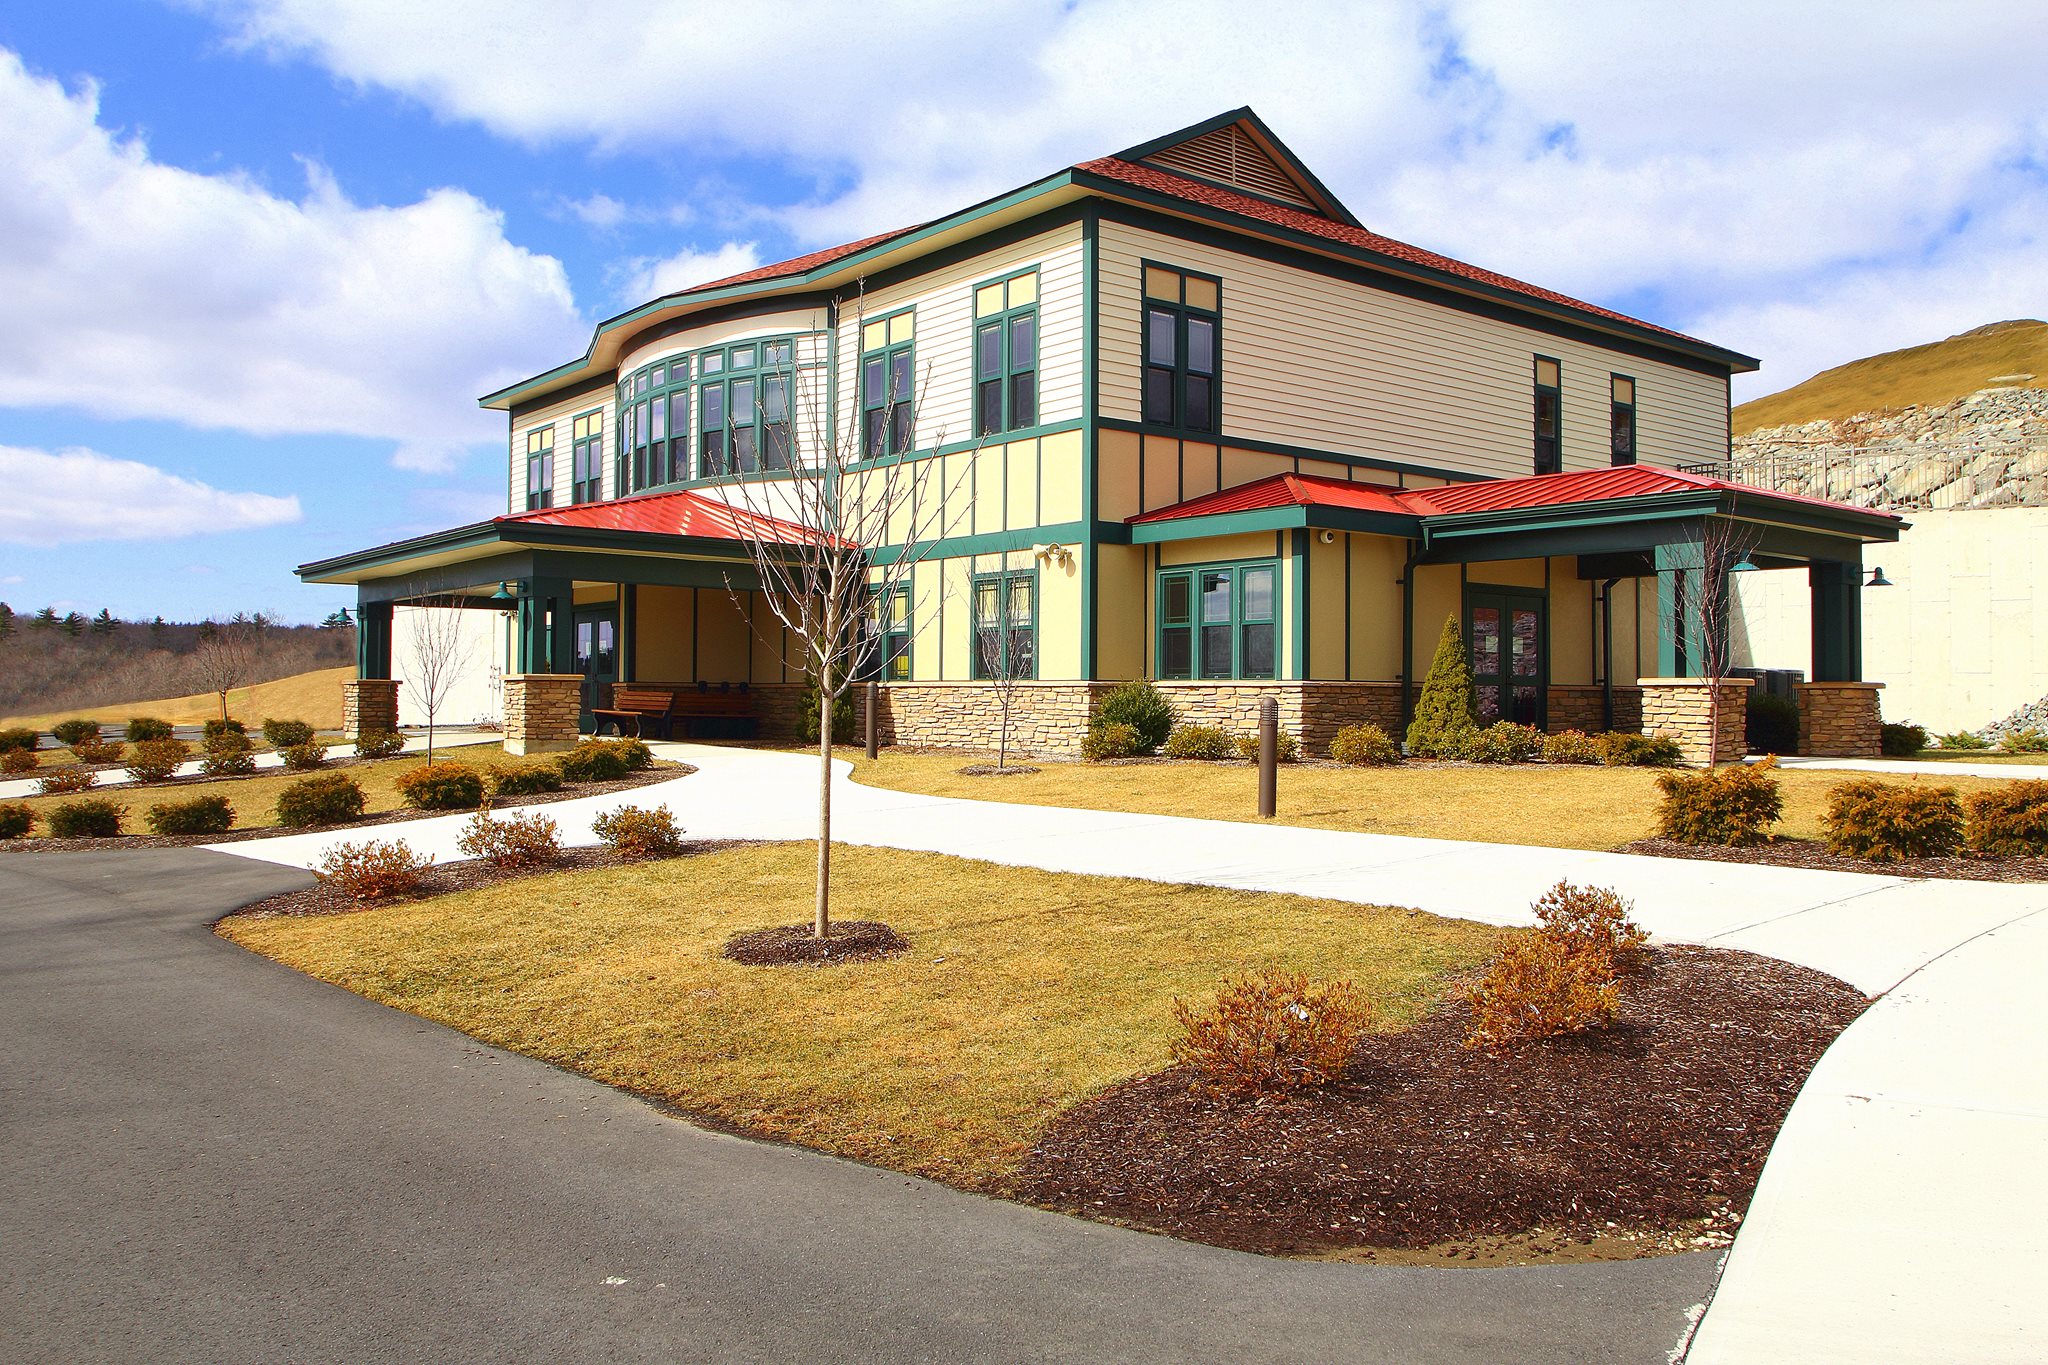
point(997, 770)
point(794, 945)
point(1809, 853)
point(1650, 1134)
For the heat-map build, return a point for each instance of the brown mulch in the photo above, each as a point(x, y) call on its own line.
point(1808, 853)
point(1660, 1124)
point(661, 772)
point(794, 945)
point(992, 770)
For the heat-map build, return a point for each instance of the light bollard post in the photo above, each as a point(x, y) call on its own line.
point(1269, 758)
point(874, 726)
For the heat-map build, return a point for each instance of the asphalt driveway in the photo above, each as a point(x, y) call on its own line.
point(205, 1156)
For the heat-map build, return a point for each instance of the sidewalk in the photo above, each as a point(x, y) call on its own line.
point(1908, 1211)
point(1907, 767)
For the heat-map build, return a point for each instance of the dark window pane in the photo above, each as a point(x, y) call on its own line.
point(1023, 399)
point(1524, 644)
point(1546, 413)
point(1201, 405)
point(1159, 396)
point(778, 449)
point(988, 407)
point(1215, 651)
point(1176, 600)
point(1486, 703)
point(1523, 710)
point(901, 422)
point(874, 443)
point(1201, 346)
point(1624, 435)
point(711, 455)
point(899, 377)
point(1161, 347)
point(1255, 659)
point(1486, 641)
point(1176, 648)
point(871, 382)
point(1023, 341)
point(744, 458)
point(988, 352)
point(1021, 661)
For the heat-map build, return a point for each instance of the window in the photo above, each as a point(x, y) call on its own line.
point(886, 372)
point(892, 626)
point(1219, 622)
point(540, 468)
point(586, 457)
point(1183, 348)
point(1549, 455)
point(1005, 625)
point(742, 422)
point(1006, 354)
point(1623, 419)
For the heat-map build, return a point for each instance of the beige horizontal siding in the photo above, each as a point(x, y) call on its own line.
point(560, 416)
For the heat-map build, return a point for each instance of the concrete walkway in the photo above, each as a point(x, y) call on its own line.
point(1907, 767)
point(1926, 1228)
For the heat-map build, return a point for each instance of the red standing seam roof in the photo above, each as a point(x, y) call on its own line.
point(667, 514)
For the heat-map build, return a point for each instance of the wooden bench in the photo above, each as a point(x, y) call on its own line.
point(645, 708)
point(656, 710)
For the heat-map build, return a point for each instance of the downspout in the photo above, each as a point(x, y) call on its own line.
point(1408, 636)
point(1607, 653)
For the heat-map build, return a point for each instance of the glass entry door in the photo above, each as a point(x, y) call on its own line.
point(597, 655)
point(1507, 633)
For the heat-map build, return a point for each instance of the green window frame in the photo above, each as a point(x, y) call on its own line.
point(1006, 353)
point(540, 468)
point(1622, 418)
point(1005, 641)
point(888, 368)
point(741, 421)
point(586, 457)
point(892, 630)
point(1219, 621)
point(1183, 349)
point(1547, 377)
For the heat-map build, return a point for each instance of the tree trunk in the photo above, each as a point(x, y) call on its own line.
point(823, 918)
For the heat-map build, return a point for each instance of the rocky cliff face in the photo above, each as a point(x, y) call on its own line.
point(1986, 449)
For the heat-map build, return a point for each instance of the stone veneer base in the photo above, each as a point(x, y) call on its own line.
point(1682, 708)
point(1839, 719)
point(368, 704)
point(542, 711)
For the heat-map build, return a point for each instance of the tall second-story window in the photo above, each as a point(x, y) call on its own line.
point(1549, 450)
point(1183, 349)
point(887, 384)
point(1623, 419)
point(586, 457)
point(540, 468)
point(1006, 354)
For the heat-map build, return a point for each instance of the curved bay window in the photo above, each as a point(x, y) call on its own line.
point(744, 397)
point(1219, 621)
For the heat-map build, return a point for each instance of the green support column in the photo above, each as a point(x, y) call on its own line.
point(373, 639)
point(547, 642)
point(1673, 583)
point(1837, 590)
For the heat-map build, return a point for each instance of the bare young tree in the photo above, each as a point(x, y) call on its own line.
point(1697, 612)
point(223, 656)
point(436, 656)
point(850, 487)
point(1002, 648)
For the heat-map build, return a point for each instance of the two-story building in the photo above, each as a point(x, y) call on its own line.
point(1195, 422)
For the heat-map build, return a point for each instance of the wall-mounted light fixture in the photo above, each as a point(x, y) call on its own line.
point(1327, 537)
point(1053, 554)
point(1877, 578)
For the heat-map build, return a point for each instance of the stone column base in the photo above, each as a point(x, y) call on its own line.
point(541, 712)
point(1839, 719)
point(1682, 708)
point(368, 705)
point(1583, 706)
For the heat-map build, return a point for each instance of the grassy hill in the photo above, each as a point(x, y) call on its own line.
point(1932, 374)
point(311, 697)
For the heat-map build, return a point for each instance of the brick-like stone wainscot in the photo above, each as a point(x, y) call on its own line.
point(1839, 719)
point(542, 711)
point(1577, 706)
point(368, 705)
point(1680, 707)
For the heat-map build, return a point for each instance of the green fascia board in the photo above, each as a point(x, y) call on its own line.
point(1288, 517)
point(1263, 447)
point(518, 536)
point(504, 397)
point(987, 543)
point(437, 542)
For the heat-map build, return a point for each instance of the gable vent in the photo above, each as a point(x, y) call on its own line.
point(1228, 156)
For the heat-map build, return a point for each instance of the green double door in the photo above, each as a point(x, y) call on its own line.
point(597, 655)
point(1508, 632)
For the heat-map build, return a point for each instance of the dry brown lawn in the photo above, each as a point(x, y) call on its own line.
point(311, 697)
point(1023, 992)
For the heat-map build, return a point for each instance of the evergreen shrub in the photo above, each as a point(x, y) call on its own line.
point(153, 760)
point(1570, 746)
point(72, 731)
point(93, 818)
point(1889, 822)
point(1442, 726)
point(286, 734)
point(19, 737)
point(638, 832)
point(1286, 748)
point(531, 780)
point(1734, 806)
point(1114, 740)
point(600, 760)
point(1365, 745)
point(1141, 706)
point(379, 744)
point(1198, 741)
point(1503, 742)
point(200, 815)
point(442, 786)
point(1626, 749)
point(17, 818)
point(2010, 820)
point(1901, 741)
point(143, 728)
point(325, 800)
point(304, 758)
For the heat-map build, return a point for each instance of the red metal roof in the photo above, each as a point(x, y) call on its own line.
point(797, 265)
point(1285, 490)
point(667, 514)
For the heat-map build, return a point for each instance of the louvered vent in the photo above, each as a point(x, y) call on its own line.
point(1229, 157)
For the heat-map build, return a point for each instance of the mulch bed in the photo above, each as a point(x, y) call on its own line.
point(991, 770)
point(645, 777)
point(1658, 1125)
point(794, 945)
point(1807, 853)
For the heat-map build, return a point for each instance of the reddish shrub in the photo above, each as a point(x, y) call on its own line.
point(373, 870)
point(1272, 1031)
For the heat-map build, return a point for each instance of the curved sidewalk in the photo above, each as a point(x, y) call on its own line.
point(1902, 1210)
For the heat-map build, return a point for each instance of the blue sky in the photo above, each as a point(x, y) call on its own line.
point(263, 255)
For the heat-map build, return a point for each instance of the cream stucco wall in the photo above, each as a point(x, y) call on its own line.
point(476, 694)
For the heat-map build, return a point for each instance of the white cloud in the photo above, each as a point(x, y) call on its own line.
point(649, 277)
point(137, 289)
point(76, 495)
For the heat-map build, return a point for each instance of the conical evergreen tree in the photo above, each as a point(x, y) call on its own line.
point(104, 623)
point(1443, 726)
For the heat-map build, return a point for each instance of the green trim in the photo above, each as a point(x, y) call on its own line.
point(1091, 449)
point(1000, 579)
point(1292, 451)
point(1275, 148)
point(1183, 313)
point(1007, 368)
point(987, 543)
point(1298, 646)
point(1556, 391)
point(1235, 570)
point(1634, 428)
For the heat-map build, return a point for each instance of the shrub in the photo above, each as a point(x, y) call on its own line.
point(1198, 741)
point(62, 781)
point(637, 832)
point(95, 817)
point(2027, 741)
point(442, 786)
point(214, 729)
point(528, 781)
point(1114, 740)
point(286, 734)
point(373, 870)
point(1625, 749)
point(1964, 741)
point(1592, 920)
point(1735, 805)
point(325, 800)
point(1286, 747)
point(379, 743)
point(17, 818)
point(304, 758)
point(516, 841)
point(153, 760)
point(18, 761)
point(72, 731)
point(599, 760)
point(1570, 746)
point(807, 718)
point(96, 750)
point(1503, 742)
point(1538, 987)
point(1365, 746)
point(142, 729)
point(2010, 820)
point(200, 815)
point(1442, 725)
point(1890, 822)
point(1272, 1031)
point(1901, 741)
point(19, 737)
point(228, 754)
point(1139, 705)
point(1770, 723)
point(638, 756)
